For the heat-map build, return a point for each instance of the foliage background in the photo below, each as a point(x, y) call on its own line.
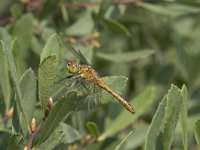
point(155, 44)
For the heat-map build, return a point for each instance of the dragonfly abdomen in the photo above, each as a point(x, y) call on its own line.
point(118, 97)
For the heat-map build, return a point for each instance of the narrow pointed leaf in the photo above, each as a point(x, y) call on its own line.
point(14, 77)
point(156, 125)
point(184, 116)
point(102, 10)
point(4, 77)
point(116, 26)
point(126, 56)
point(59, 111)
point(197, 133)
point(174, 101)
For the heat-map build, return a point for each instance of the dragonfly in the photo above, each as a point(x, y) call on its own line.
point(84, 71)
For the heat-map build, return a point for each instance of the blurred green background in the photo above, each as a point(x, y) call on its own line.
point(154, 43)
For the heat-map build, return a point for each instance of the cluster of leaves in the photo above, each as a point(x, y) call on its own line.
point(155, 45)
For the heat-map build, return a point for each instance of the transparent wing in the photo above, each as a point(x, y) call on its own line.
point(89, 94)
point(75, 52)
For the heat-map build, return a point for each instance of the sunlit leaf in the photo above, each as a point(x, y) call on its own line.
point(125, 118)
point(184, 116)
point(156, 125)
point(48, 68)
point(59, 111)
point(174, 101)
point(197, 132)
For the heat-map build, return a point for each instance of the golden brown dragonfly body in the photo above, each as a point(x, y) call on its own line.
point(88, 73)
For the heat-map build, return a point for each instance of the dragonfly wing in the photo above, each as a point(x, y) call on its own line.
point(75, 52)
point(90, 100)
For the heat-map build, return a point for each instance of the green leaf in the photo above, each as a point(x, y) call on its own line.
point(59, 111)
point(84, 25)
point(126, 56)
point(51, 48)
point(170, 9)
point(14, 77)
point(4, 77)
point(105, 4)
point(184, 116)
point(125, 118)
point(48, 6)
point(48, 69)
point(54, 139)
point(28, 87)
point(137, 138)
point(116, 83)
point(122, 141)
point(70, 134)
point(93, 129)
point(64, 12)
point(18, 55)
point(116, 26)
point(5, 37)
point(156, 125)
point(23, 30)
point(197, 133)
point(174, 101)
point(47, 74)
point(15, 142)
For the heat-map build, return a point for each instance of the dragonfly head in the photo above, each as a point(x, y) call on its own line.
point(72, 67)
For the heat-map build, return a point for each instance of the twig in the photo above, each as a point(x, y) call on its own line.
point(32, 135)
point(93, 3)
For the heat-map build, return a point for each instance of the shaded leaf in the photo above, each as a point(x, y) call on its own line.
point(70, 134)
point(19, 56)
point(137, 138)
point(4, 77)
point(116, 26)
point(28, 87)
point(49, 5)
point(102, 10)
point(54, 139)
point(93, 129)
point(14, 77)
point(15, 142)
point(127, 56)
point(23, 30)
